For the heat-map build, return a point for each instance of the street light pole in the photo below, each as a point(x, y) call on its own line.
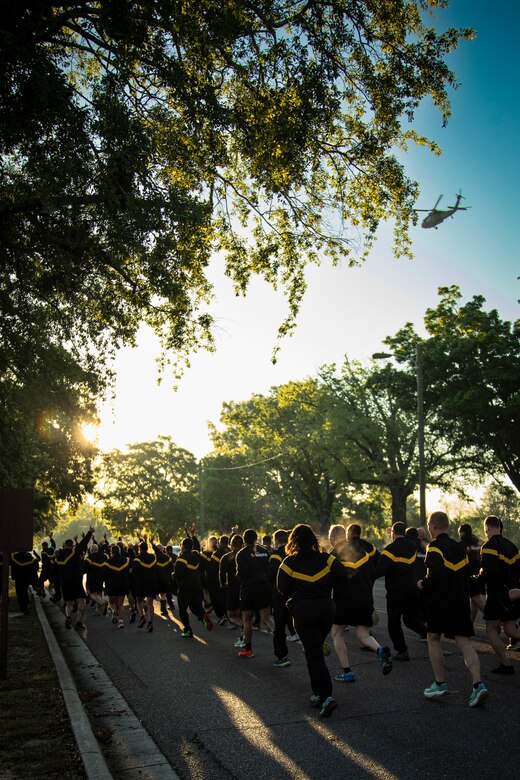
point(420, 432)
point(201, 502)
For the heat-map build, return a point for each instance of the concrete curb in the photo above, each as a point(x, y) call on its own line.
point(91, 755)
point(131, 753)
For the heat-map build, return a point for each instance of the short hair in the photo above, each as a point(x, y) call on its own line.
point(399, 528)
point(493, 521)
point(187, 544)
point(250, 536)
point(94, 548)
point(302, 539)
point(412, 533)
point(336, 531)
point(68, 543)
point(236, 542)
point(353, 531)
point(280, 537)
point(224, 540)
point(115, 549)
point(440, 520)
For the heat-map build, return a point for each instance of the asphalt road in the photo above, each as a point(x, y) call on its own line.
point(216, 716)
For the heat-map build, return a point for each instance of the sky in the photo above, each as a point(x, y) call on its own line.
point(349, 311)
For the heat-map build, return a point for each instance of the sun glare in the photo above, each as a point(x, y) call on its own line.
point(90, 431)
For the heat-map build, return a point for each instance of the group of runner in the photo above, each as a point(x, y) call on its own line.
point(299, 591)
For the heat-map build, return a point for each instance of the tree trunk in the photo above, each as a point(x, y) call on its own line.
point(399, 495)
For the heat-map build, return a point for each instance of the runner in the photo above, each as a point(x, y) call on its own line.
point(69, 561)
point(231, 586)
point(305, 579)
point(189, 585)
point(144, 569)
point(255, 592)
point(397, 566)
point(94, 566)
point(446, 587)
point(281, 615)
point(117, 575)
point(500, 573)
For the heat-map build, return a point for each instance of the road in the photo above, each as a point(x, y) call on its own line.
point(219, 717)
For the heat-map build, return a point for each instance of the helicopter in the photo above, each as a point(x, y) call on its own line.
point(436, 216)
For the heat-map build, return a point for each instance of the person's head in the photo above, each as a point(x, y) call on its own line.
point(250, 536)
point(302, 539)
point(143, 546)
point(337, 534)
point(412, 534)
point(187, 545)
point(115, 549)
point(212, 542)
point(280, 537)
point(492, 525)
point(398, 529)
point(438, 523)
point(223, 541)
point(160, 547)
point(45, 545)
point(68, 544)
point(422, 535)
point(94, 548)
point(353, 531)
point(236, 543)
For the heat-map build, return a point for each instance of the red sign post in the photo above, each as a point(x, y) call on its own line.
point(16, 535)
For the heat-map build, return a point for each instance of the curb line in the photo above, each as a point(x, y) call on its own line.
point(93, 760)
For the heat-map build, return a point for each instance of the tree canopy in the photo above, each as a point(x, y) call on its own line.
point(139, 138)
point(471, 366)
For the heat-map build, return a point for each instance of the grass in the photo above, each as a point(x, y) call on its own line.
point(36, 739)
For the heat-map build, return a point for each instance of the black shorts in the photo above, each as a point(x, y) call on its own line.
point(497, 608)
point(255, 596)
point(233, 597)
point(72, 591)
point(449, 622)
point(347, 615)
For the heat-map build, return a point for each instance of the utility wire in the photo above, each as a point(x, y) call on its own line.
point(245, 466)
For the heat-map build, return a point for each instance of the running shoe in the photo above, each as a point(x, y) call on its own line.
point(222, 621)
point(294, 638)
point(245, 653)
point(207, 621)
point(142, 622)
point(401, 656)
point(240, 643)
point(315, 701)
point(514, 644)
point(132, 617)
point(281, 663)
point(121, 624)
point(345, 677)
point(149, 628)
point(328, 707)
point(326, 648)
point(503, 669)
point(187, 634)
point(478, 695)
point(435, 691)
point(383, 653)
point(68, 622)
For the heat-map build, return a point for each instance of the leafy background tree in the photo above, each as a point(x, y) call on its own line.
point(152, 487)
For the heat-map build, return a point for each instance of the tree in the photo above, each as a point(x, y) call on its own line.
point(151, 487)
point(372, 434)
point(471, 365)
point(138, 138)
point(281, 433)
